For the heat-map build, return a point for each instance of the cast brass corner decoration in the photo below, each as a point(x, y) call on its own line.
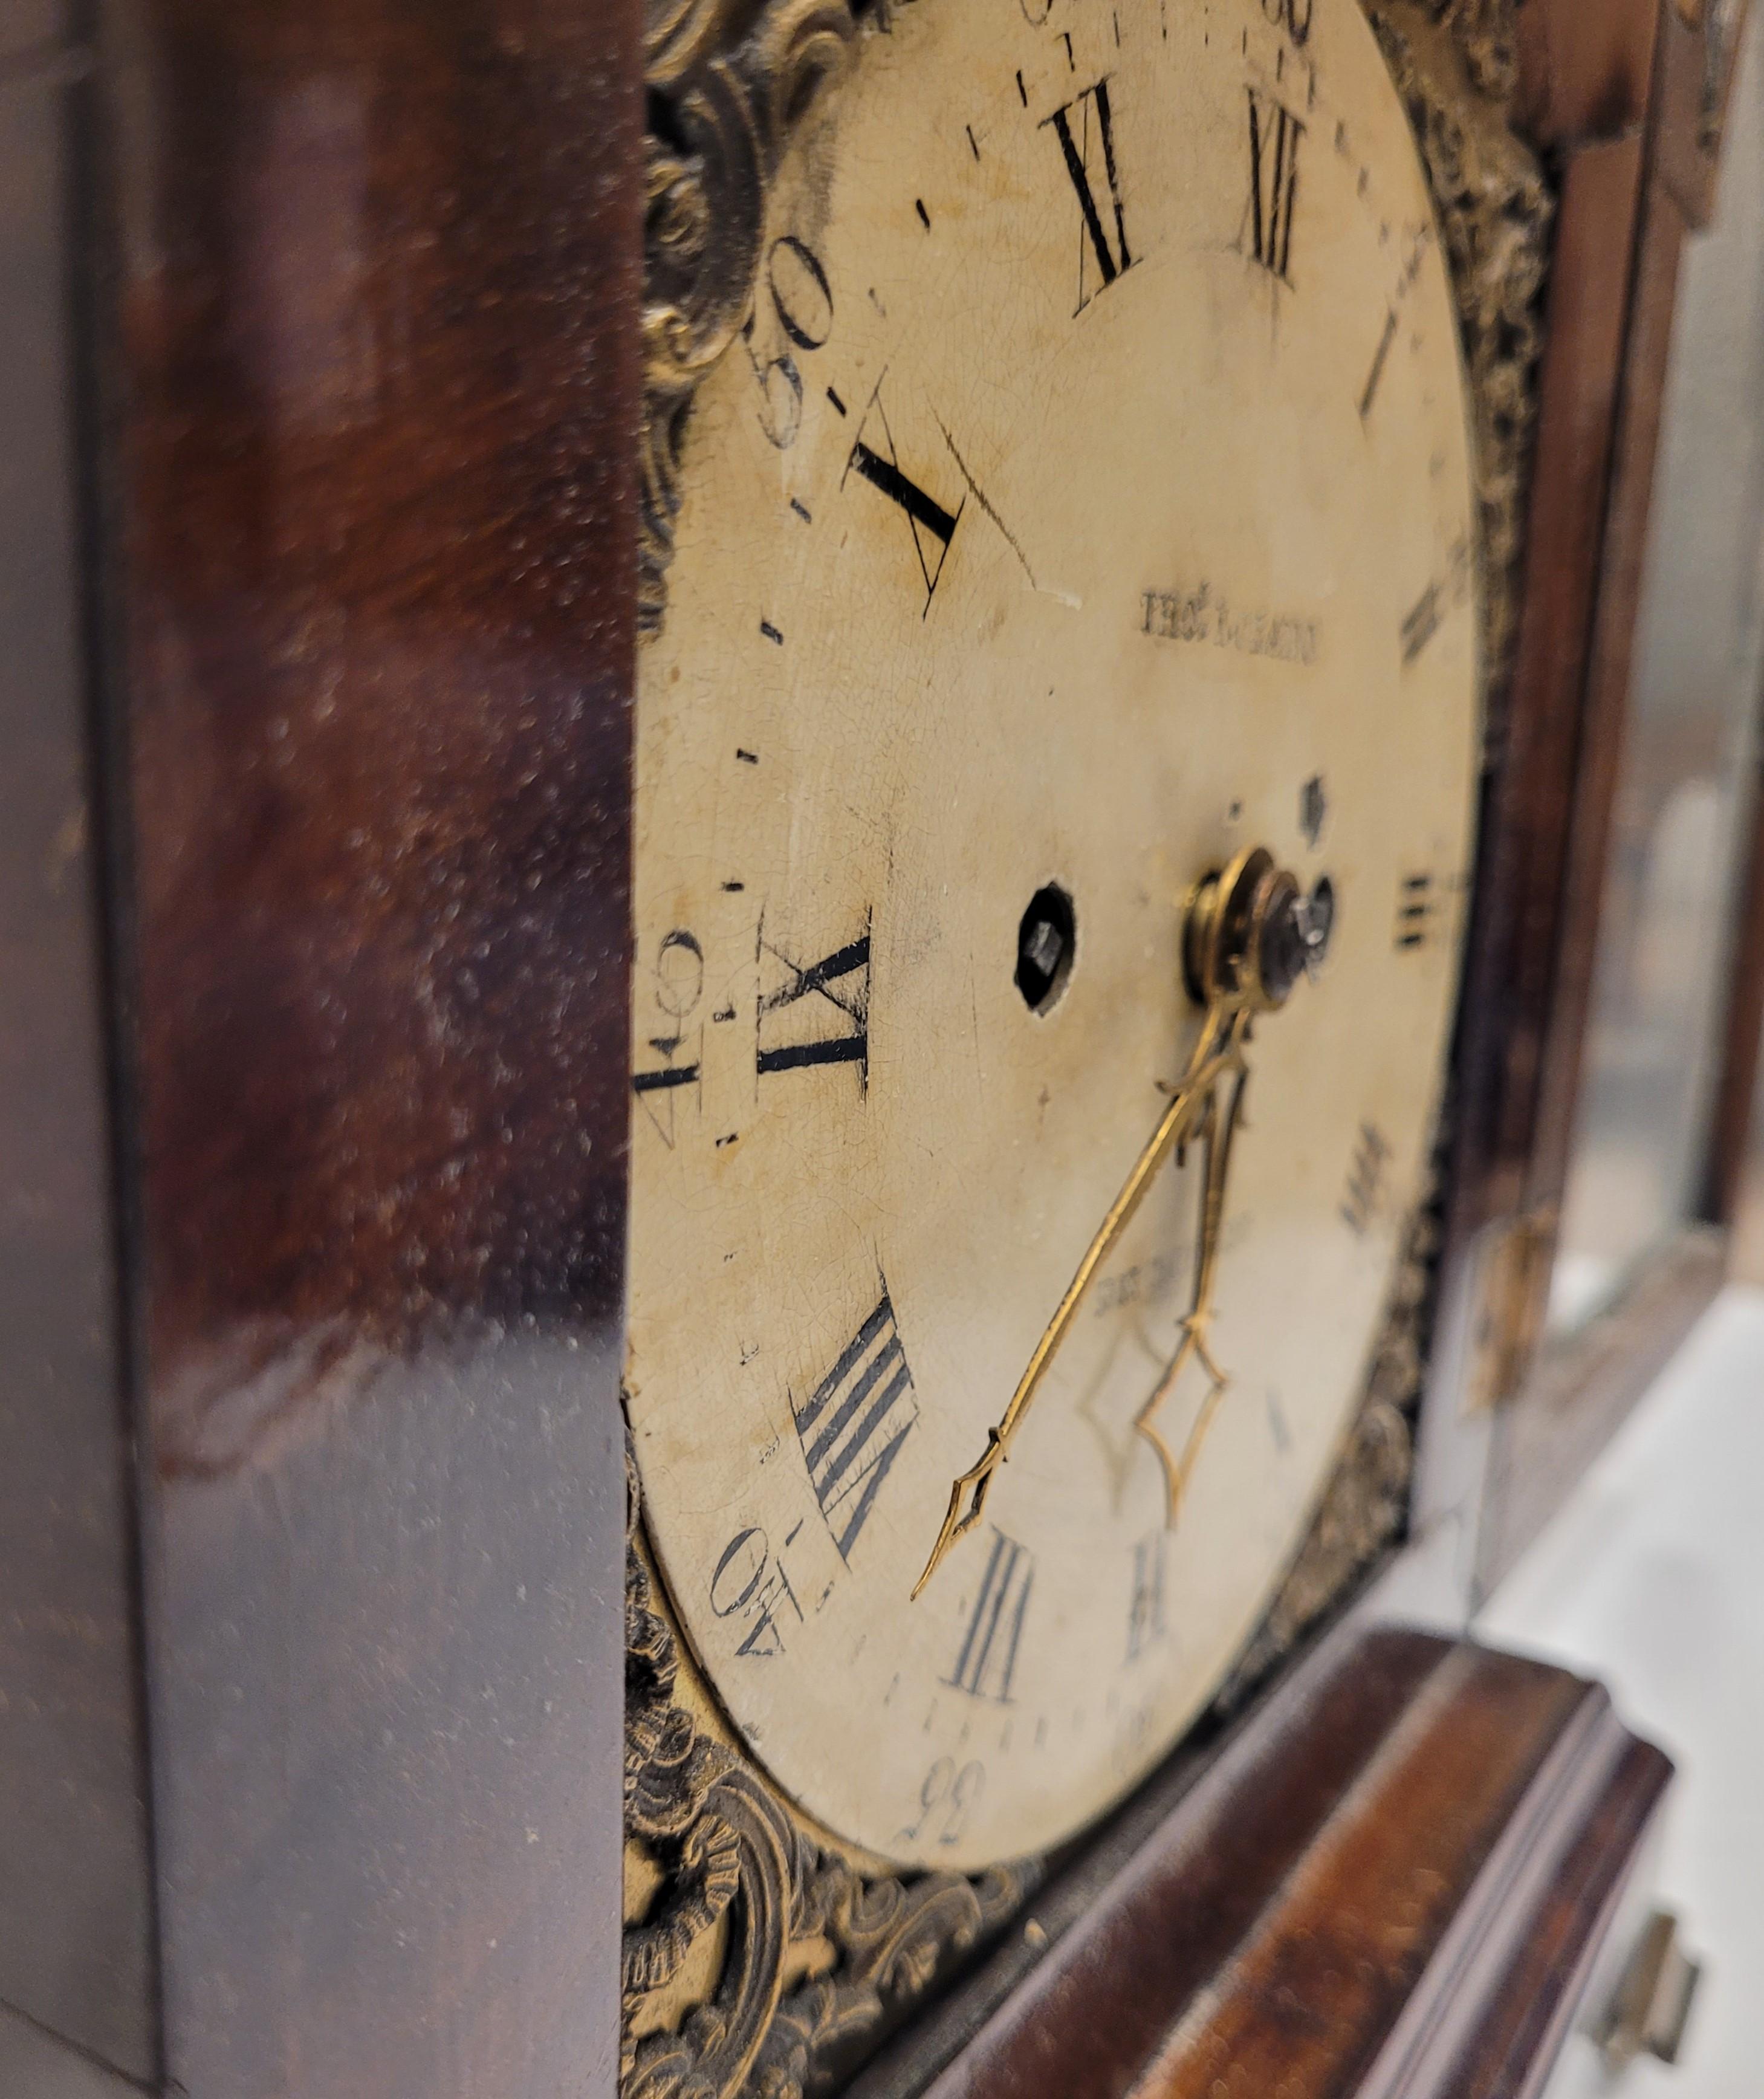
point(1455, 69)
point(812, 1961)
point(727, 87)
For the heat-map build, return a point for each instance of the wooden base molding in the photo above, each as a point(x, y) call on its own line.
point(1399, 1881)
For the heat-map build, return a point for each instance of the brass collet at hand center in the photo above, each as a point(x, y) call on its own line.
point(1249, 933)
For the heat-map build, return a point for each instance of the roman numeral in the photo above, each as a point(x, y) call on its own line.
point(852, 1425)
point(1377, 373)
point(989, 1658)
point(1417, 909)
point(874, 458)
point(1145, 1615)
point(1285, 13)
point(824, 1005)
point(1422, 622)
point(1427, 613)
point(1366, 1179)
point(1093, 121)
point(1274, 136)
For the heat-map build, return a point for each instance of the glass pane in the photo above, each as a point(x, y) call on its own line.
point(1664, 933)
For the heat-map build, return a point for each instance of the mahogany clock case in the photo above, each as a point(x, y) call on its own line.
point(320, 597)
point(320, 589)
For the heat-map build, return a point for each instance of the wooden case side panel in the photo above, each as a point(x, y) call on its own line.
point(1632, 101)
point(1726, 1168)
point(1576, 1392)
point(1511, 969)
point(1627, 96)
point(1606, 705)
point(75, 1953)
point(378, 276)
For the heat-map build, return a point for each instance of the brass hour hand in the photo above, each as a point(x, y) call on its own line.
point(1248, 934)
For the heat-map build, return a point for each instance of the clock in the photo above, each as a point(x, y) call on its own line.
point(1055, 773)
point(1078, 628)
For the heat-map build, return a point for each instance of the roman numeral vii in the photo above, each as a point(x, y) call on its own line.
point(1085, 131)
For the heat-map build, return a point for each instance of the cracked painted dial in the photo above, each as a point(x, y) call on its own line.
point(1087, 500)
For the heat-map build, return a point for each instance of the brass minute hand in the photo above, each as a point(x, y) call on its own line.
point(1247, 936)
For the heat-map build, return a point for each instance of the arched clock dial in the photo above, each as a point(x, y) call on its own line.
point(1085, 508)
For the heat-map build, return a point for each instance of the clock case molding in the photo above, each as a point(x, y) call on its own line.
point(762, 1954)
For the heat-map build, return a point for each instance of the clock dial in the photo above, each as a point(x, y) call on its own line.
point(1086, 504)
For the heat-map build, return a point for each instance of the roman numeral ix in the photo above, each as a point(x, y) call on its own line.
point(1105, 238)
point(805, 1002)
point(852, 1425)
point(989, 1658)
point(1274, 136)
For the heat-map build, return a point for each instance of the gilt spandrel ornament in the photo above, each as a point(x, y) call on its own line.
point(727, 86)
point(1456, 69)
point(817, 1961)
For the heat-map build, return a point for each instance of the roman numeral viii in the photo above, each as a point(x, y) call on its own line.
point(814, 1012)
point(1082, 149)
point(1274, 136)
point(989, 1658)
point(852, 1425)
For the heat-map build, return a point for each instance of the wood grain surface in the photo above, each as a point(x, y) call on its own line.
point(378, 391)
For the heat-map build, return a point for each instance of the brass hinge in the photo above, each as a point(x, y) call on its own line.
point(1652, 2000)
point(1512, 1292)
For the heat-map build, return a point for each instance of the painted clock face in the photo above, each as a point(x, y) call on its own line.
point(1087, 501)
